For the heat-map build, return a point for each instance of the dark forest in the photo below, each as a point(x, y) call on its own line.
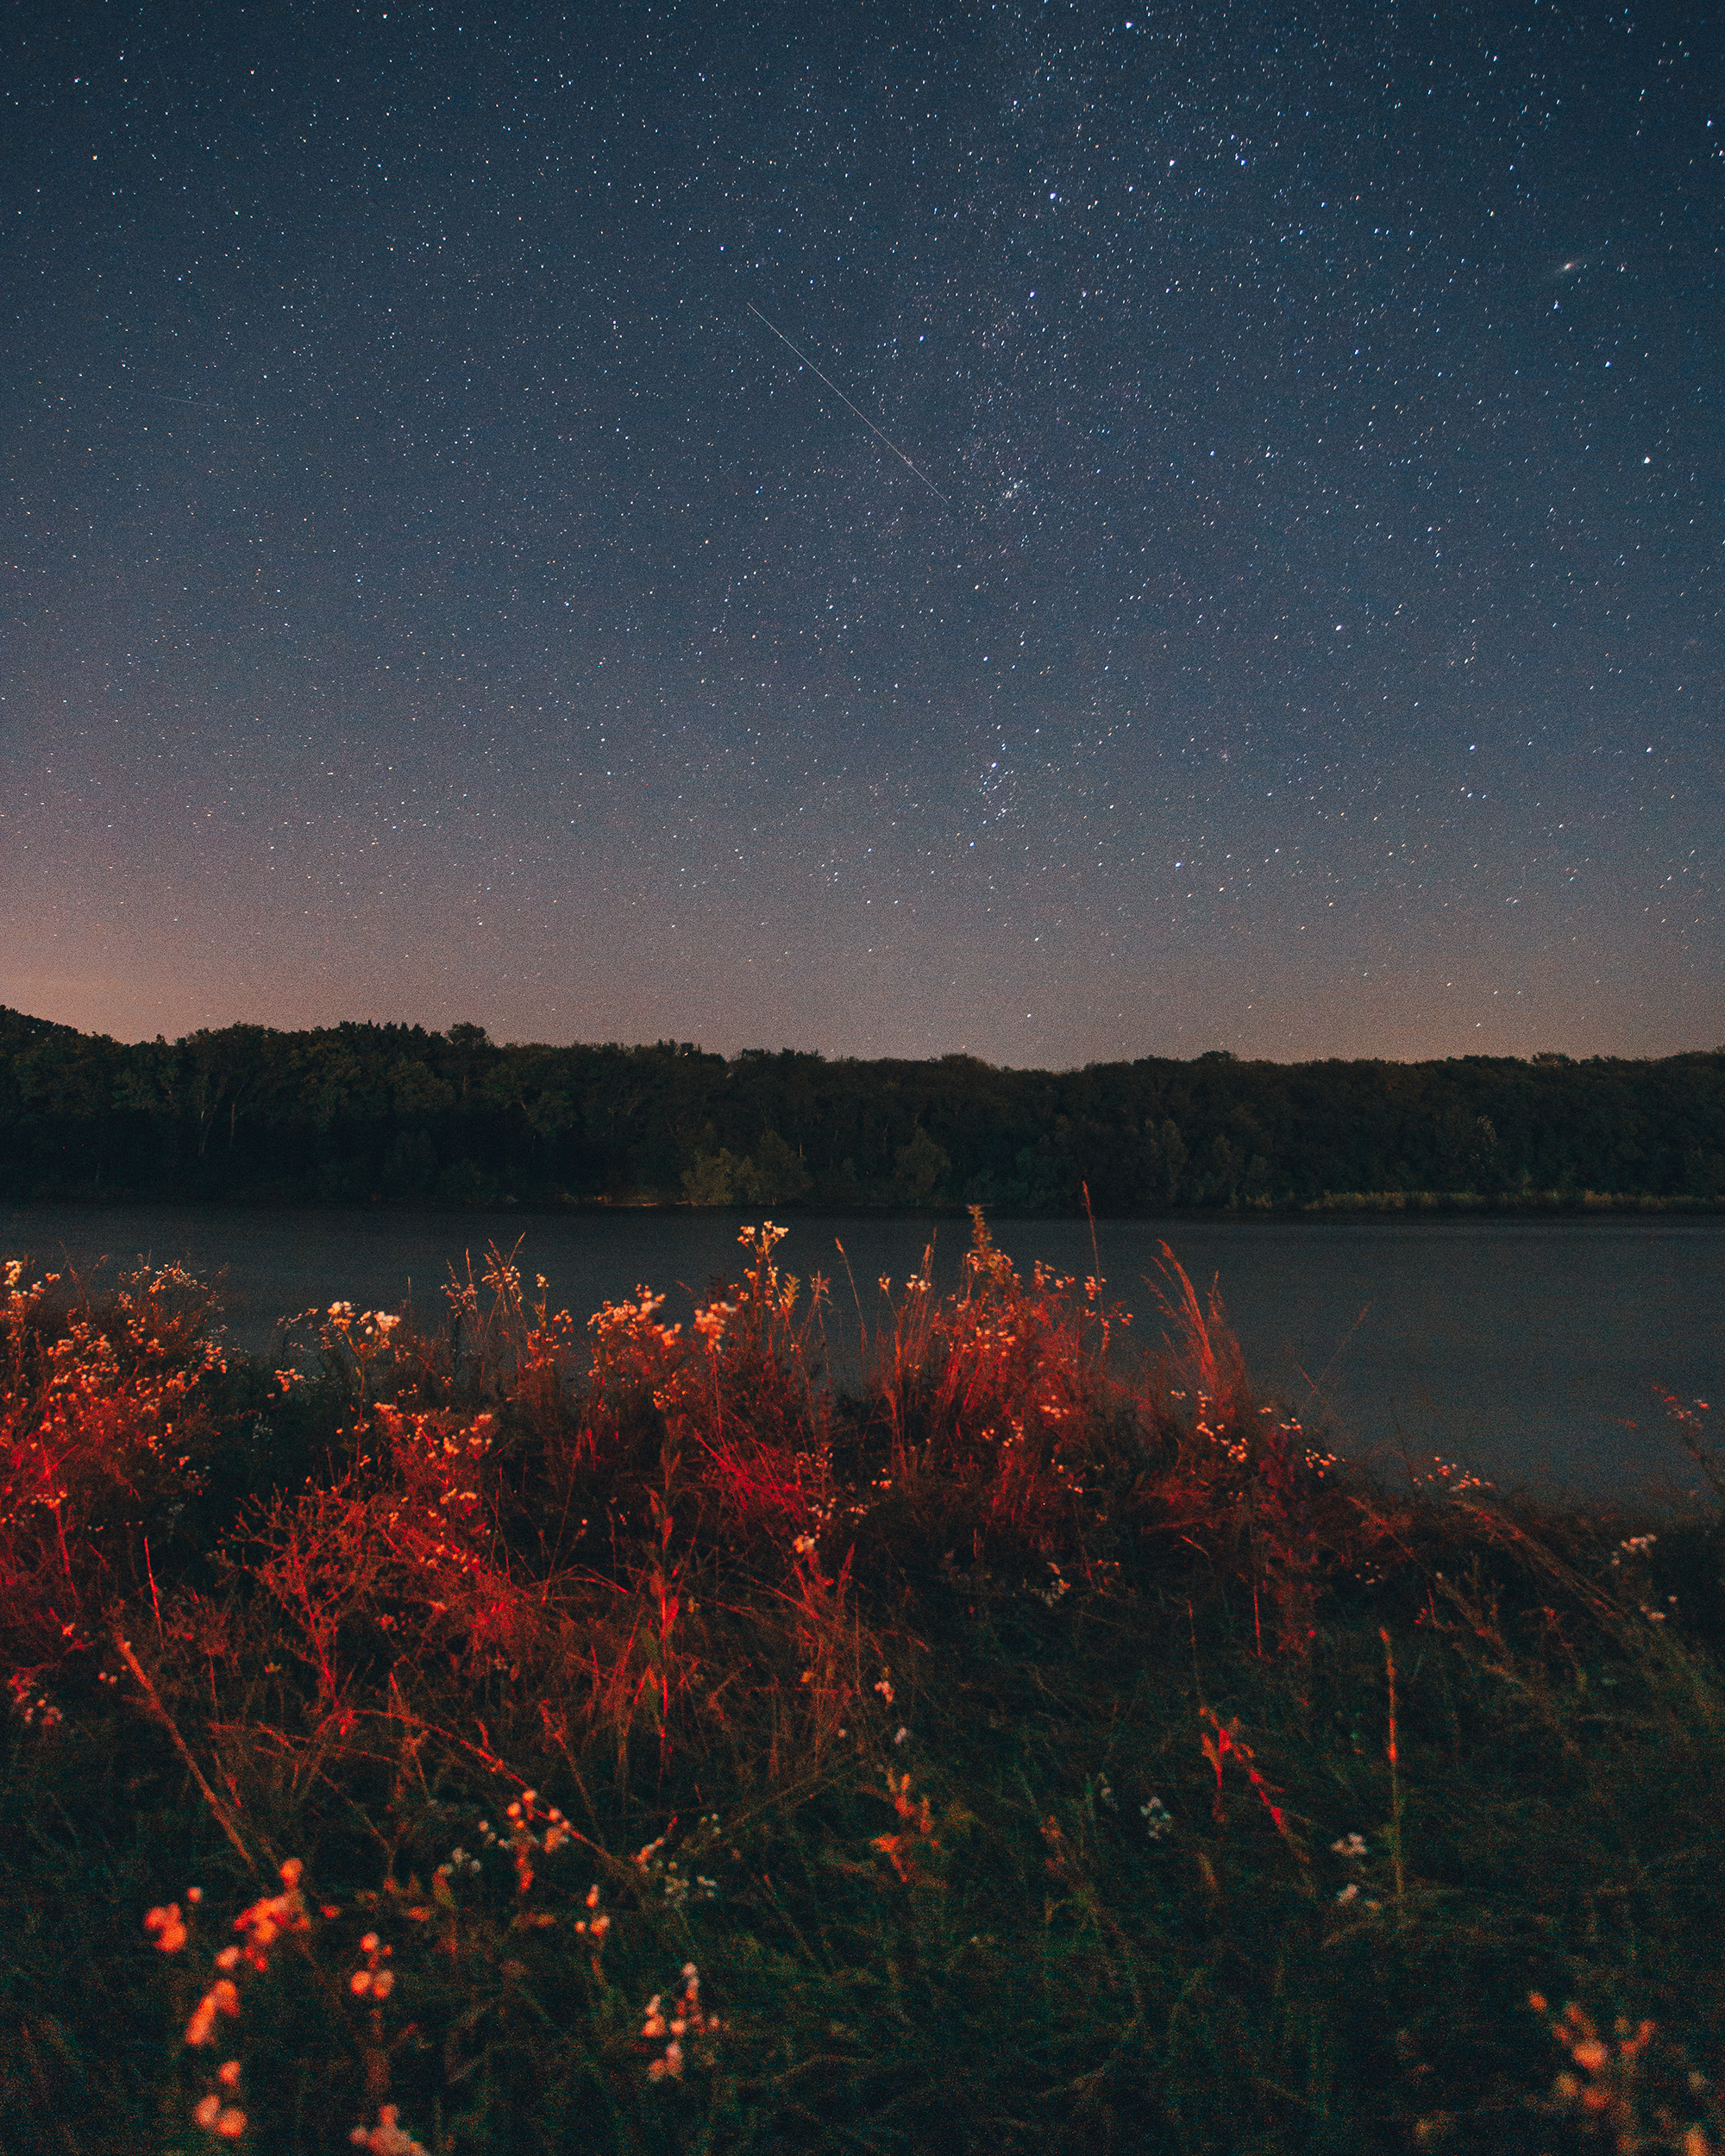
point(360, 1114)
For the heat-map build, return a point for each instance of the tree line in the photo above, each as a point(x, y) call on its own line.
point(357, 1114)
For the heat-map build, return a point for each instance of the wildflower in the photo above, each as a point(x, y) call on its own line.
point(901, 1734)
point(226, 2120)
point(169, 1929)
point(710, 1321)
point(228, 2074)
point(1350, 1846)
point(221, 1997)
point(1156, 1818)
point(885, 1691)
point(686, 2018)
point(1348, 1893)
point(387, 2137)
point(378, 1981)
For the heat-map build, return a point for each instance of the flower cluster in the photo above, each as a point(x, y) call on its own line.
point(523, 1816)
point(664, 1874)
point(216, 2111)
point(597, 1925)
point(633, 1322)
point(1446, 1474)
point(262, 1927)
point(168, 1925)
point(226, 2120)
point(1352, 1849)
point(1056, 1586)
point(711, 1320)
point(683, 2017)
point(104, 1417)
point(32, 1705)
point(904, 1850)
point(373, 1981)
point(388, 2137)
point(266, 1921)
point(1603, 2091)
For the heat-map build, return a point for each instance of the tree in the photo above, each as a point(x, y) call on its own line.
point(920, 1169)
point(711, 1180)
point(773, 1174)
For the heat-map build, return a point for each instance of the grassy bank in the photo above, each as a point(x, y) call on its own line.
point(519, 1734)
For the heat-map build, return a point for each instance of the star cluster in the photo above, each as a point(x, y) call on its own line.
point(1061, 531)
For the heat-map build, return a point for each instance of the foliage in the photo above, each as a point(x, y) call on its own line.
point(360, 1114)
point(106, 1429)
point(614, 1737)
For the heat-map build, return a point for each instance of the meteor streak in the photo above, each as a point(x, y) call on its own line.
point(849, 406)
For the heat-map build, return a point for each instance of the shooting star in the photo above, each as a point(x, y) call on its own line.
point(849, 406)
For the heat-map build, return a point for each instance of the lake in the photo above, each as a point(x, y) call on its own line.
point(1525, 1350)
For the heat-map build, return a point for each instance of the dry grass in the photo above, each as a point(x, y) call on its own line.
point(893, 1737)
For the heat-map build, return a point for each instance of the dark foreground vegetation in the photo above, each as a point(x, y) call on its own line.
point(507, 1734)
point(364, 1114)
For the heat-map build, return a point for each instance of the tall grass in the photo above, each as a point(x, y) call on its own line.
point(512, 1733)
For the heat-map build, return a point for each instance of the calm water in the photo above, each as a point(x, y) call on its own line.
point(1525, 1350)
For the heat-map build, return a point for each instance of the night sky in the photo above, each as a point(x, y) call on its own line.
point(1251, 576)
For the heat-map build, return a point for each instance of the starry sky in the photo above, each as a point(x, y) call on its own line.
point(1061, 531)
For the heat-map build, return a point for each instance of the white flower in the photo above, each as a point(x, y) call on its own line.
point(1350, 1846)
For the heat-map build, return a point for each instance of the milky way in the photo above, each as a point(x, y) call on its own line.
point(1239, 568)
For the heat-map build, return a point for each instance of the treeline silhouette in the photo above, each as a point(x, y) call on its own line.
point(363, 1114)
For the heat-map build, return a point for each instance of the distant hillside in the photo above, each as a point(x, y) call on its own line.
point(359, 1114)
